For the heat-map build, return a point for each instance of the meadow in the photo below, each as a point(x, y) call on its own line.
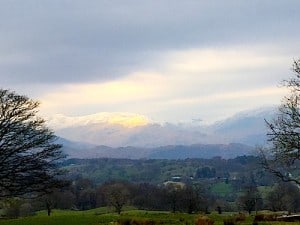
point(129, 217)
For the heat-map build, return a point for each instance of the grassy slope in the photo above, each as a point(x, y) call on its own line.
point(102, 216)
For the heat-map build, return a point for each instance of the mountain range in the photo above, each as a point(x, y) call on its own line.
point(123, 135)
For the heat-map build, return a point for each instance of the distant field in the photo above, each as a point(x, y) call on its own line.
point(222, 189)
point(103, 216)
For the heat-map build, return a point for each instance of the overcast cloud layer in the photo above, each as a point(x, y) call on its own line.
point(168, 60)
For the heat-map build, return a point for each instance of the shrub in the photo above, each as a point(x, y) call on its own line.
point(229, 221)
point(240, 217)
point(12, 207)
point(265, 217)
point(135, 222)
point(124, 221)
point(204, 220)
point(26, 210)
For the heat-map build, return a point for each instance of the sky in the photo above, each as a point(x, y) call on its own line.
point(168, 60)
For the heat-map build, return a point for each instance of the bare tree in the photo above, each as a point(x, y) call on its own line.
point(282, 158)
point(28, 154)
point(284, 196)
point(117, 195)
point(250, 200)
point(174, 191)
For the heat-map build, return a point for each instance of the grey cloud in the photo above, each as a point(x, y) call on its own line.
point(75, 41)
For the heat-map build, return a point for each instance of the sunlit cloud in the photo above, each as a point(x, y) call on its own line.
point(124, 119)
point(224, 60)
point(264, 93)
point(191, 80)
point(130, 90)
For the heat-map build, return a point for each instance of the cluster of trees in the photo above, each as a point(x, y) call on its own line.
point(158, 171)
point(206, 172)
point(83, 195)
point(172, 196)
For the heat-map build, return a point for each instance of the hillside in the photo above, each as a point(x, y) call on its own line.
point(164, 152)
point(159, 170)
point(133, 136)
point(120, 130)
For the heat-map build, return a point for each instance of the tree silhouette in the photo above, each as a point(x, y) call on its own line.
point(28, 154)
point(282, 158)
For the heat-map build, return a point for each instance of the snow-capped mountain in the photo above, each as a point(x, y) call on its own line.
point(101, 132)
point(247, 127)
point(124, 129)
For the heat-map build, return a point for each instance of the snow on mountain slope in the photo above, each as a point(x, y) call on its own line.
point(150, 135)
point(248, 127)
point(127, 129)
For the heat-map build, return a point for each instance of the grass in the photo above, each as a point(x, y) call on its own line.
point(61, 217)
point(222, 189)
point(105, 216)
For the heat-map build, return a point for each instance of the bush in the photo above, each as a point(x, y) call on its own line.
point(12, 207)
point(204, 220)
point(26, 209)
point(12, 212)
point(240, 217)
point(135, 222)
point(124, 221)
point(229, 221)
point(265, 217)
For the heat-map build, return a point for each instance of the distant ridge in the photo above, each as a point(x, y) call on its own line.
point(164, 152)
point(247, 127)
point(202, 151)
point(94, 136)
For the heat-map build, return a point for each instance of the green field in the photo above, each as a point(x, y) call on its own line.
point(105, 216)
point(222, 189)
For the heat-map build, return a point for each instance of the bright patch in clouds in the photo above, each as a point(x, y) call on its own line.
point(182, 79)
point(132, 89)
point(220, 60)
point(128, 120)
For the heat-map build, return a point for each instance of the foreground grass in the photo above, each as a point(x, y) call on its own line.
point(65, 217)
point(105, 216)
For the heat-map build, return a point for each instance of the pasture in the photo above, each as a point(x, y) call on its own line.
point(101, 216)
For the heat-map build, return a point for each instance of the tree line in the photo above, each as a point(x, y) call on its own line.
point(82, 194)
